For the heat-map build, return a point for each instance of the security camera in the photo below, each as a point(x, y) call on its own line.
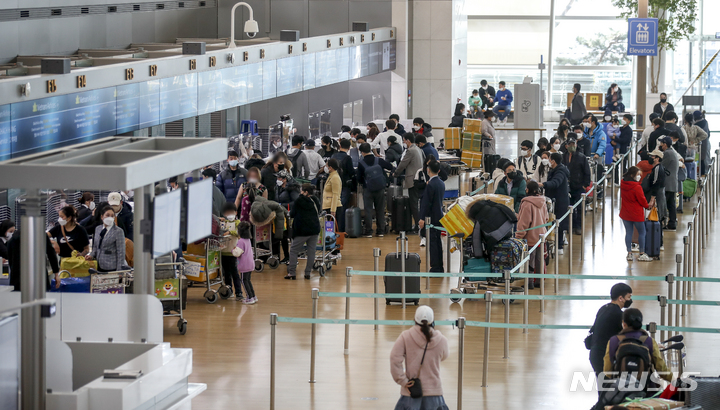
point(251, 28)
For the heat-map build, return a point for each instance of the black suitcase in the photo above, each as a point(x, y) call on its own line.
point(393, 191)
point(706, 394)
point(401, 216)
point(393, 284)
point(353, 222)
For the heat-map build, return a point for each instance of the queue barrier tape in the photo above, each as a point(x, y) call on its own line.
point(693, 302)
point(605, 277)
point(439, 228)
point(688, 329)
point(421, 274)
point(403, 295)
point(359, 321)
point(523, 326)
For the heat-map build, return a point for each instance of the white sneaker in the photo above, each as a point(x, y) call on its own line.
point(662, 248)
point(565, 240)
point(422, 241)
point(629, 256)
point(561, 251)
point(635, 247)
point(645, 258)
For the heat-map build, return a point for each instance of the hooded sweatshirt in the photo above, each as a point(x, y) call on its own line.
point(264, 211)
point(533, 212)
point(409, 348)
point(633, 202)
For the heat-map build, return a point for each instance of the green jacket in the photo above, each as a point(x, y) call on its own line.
point(517, 192)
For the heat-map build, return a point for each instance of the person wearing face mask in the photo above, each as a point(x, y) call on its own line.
point(504, 100)
point(253, 183)
point(328, 148)
point(123, 212)
point(490, 157)
point(670, 161)
point(583, 144)
point(513, 185)
point(533, 212)
point(527, 162)
point(288, 188)
point(87, 205)
point(68, 236)
point(411, 162)
point(7, 228)
point(595, 134)
point(613, 99)
point(316, 163)
point(543, 169)
point(108, 244)
point(333, 189)
point(654, 185)
point(347, 176)
point(663, 106)
point(632, 211)
point(459, 117)
point(556, 187)
point(487, 94)
point(576, 111)
point(555, 145)
point(228, 260)
point(268, 174)
point(608, 323)
point(423, 128)
point(579, 177)
point(231, 178)
point(474, 103)
point(173, 183)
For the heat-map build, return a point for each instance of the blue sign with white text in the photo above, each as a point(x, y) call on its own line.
point(642, 37)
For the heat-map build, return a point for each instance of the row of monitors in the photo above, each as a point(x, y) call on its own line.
point(52, 122)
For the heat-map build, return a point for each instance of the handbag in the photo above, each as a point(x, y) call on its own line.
point(653, 216)
point(416, 388)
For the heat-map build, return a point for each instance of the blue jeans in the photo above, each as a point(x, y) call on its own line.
point(421, 403)
point(640, 226)
point(502, 111)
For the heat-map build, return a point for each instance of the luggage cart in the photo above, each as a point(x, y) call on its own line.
point(214, 244)
point(326, 254)
point(264, 234)
point(474, 284)
point(170, 289)
point(110, 282)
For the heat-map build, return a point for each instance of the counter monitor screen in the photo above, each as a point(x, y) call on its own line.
point(199, 210)
point(166, 223)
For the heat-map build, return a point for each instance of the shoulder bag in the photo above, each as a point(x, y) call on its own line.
point(416, 388)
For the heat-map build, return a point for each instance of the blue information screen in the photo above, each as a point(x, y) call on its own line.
point(6, 134)
point(127, 111)
point(149, 98)
point(210, 91)
point(178, 97)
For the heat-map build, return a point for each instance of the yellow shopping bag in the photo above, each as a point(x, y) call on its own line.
point(76, 265)
point(455, 221)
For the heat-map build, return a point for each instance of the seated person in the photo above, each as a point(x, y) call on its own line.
point(512, 185)
point(504, 103)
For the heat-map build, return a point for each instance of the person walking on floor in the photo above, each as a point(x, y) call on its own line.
point(431, 206)
point(670, 161)
point(410, 163)
point(305, 215)
point(608, 323)
point(632, 211)
point(243, 251)
point(421, 349)
point(533, 213)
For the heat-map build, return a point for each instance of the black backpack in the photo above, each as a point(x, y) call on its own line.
point(374, 176)
point(632, 356)
point(294, 161)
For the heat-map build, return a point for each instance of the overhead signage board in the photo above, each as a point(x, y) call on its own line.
point(642, 37)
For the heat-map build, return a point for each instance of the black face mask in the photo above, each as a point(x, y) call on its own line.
point(627, 303)
point(512, 175)
point(663, 100)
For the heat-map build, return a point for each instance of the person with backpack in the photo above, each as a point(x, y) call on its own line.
point(371, 175)
point(347, 177)
point(298, 159)
point(608, 323)
point(431, 205)
point(633, 350)
point(527, 162)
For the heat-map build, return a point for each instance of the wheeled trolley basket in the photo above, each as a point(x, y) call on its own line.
point(171, 289)
point(264, 234)
point(327, 251)
point(208, 269)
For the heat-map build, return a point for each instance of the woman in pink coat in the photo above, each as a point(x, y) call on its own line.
point(533, 212)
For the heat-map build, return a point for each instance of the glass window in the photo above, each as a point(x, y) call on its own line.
point(591, 42)
point(586, 8)
point(591, 80)
point(711, 24)
point(508, 8)
point(522, 41)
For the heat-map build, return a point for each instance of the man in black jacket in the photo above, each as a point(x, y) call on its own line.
point(556, 187)
point(583, 145)
point(374, 201)
point(487, 94)
point(347, 177)
point(671, 125)
point(14, 263)
point(431, 205)
point(608, 323)
point(660, 131)
point(579, 179)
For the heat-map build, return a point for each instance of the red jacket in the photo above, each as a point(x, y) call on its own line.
point(633, 201)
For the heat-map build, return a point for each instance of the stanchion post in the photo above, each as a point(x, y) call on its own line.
point(507, 316)
point(652, 329)
point(486, 345)
point(461, 359)
point(273, 325)
point(670, 279)
point(427, 252)
point(447, 252)
point(526, 302)
point(686, 252)
point(557, 262)
point(594, 213)
point(678, 274)
point(570, 238)
point(696, 243)
point(313, 333)
point(612, 192)
point(663, 309)
point(542, 280)
point(348, 278)
point(602, 220)
point(376, 283)
point(582, 227)
point(402, 266)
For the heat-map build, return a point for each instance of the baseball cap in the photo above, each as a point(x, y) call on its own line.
point(310, 143)
point(424, 313)
point(114, 198)
point(345, 136)
point(666, 140)
point(656, 153)
point(697, 115)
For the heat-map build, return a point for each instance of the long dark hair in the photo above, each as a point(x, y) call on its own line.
point(458, 108)
point(633, 318)
point(610, 89)
point(533, 189)
point(543, 167)
point(70, 213)
point(630, 173)
point(426, 329)
point(244, 230)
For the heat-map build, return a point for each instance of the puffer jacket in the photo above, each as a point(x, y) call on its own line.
point(228, 185)
point(533, 212)
point(517, 192)
point(290, 193)
point(264, 211)
point(394, 153)
point(306, 220)
point(633, 202)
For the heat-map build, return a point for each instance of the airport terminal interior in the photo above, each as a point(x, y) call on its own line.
point(169, 162)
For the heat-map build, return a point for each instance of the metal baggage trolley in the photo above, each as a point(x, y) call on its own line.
point(214, 244)
point(170, 289)
point(264, 234)
point(110, 282)
point(326, 255)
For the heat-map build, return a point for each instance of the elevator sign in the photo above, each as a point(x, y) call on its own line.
point(642, 37)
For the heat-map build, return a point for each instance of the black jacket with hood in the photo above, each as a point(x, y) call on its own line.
point(306, 220)
point(426, 130)
point(556, 187)
point(579, 170)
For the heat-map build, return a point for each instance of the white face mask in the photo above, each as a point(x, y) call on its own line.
point(253, 181)
point(327, 171)
point(108, 221)
point(92, 205)
point(230, 218)
point(62, 222)
point(557, 147)
point(8, 235)
point(233, 162)
point(638, 177)
point(415, 128)
point(279, 182)
point(545, 161)
point(523, 152)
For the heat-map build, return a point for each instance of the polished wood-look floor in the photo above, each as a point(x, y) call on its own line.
point(231, 341)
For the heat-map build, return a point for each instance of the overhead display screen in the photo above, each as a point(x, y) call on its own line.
point(56, 121)
point(210, 91)
point(388, 55)
point(308, 71)
point(325, 68)
point(269, 79)
point(127, 111)
point(374, 58)
point(6, 133)
point(289, 75)
point(178, 97)
point(342, 55)
point(234, 87)
point(149, 98)
point(254, 82)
